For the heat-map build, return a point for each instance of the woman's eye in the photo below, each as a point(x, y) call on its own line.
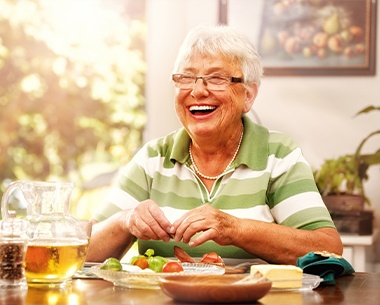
point(217, 79)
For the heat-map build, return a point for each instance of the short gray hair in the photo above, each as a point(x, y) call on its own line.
point(213, 40)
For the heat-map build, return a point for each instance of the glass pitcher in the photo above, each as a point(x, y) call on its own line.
point(58, 243)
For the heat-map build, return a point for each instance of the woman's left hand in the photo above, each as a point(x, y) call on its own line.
point(214, 224)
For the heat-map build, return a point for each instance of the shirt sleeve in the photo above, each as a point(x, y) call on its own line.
point(293, 196)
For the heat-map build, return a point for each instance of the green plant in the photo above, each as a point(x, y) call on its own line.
point(346, 174)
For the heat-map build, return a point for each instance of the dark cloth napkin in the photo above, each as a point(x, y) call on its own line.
point(328, 266)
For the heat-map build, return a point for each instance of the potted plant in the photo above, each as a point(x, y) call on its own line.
point(346, 174)
point(340, 185)
point(340, 180)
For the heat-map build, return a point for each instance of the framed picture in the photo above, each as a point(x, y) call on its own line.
point(308, 37)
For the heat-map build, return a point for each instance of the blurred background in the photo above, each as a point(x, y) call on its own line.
point(72, 100)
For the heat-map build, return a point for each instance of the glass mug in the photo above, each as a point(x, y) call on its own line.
point(13, 245)
point(58, 243)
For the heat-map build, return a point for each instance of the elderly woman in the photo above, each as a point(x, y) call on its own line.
point(221, 183)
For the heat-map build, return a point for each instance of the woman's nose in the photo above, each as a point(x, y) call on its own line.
point(199, 88)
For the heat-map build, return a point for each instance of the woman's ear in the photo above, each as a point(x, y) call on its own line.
point(251, 92)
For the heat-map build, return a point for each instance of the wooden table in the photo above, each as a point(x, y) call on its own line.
point(360, 288)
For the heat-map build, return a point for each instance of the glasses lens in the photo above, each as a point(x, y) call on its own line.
point(212, 82)
point(217, 82)
point(184, 81)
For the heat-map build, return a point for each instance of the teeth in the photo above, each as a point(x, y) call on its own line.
point(201, 108)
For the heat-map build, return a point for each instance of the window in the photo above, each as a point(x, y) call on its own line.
point(72, 79)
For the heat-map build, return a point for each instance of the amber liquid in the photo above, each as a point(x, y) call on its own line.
point(54, 263)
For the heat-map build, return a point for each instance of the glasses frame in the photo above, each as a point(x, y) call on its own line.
point(204, 79)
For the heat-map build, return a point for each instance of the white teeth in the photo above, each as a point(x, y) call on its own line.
point(201, 108)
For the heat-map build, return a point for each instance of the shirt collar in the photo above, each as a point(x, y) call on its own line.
point(253, 150)
point(254, 147)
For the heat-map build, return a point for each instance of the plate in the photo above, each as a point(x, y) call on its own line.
point(150, 280)
point(214, 288)
point(309, 282)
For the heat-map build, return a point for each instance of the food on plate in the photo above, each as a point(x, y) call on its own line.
point(149, 260)
point(156, 263)
point(182, 255)
point(141, 262)
point(209, 258)
point(212, 258)
point(282, 276)
point(112, 264)
point(172, 266)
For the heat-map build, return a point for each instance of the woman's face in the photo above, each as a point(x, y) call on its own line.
point(205, 112)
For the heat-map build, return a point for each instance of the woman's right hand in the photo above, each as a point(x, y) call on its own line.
point(147, 221)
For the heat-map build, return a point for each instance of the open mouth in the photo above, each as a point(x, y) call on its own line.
point(201, 109)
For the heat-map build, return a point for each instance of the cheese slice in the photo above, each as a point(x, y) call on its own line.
point(282, 276)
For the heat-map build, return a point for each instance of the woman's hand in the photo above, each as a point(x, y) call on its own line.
point(214, 224)
point(147, 221)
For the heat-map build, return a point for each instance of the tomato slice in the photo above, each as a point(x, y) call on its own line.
point(211, 258)
point(172, 267)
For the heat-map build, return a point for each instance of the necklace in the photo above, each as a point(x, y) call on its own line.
point(228, 165)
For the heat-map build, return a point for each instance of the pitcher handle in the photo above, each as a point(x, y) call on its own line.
point(5, 212)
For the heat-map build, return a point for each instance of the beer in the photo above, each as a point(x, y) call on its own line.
point(54, 262)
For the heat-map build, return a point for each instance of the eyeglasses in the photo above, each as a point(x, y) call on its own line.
point(212, 82)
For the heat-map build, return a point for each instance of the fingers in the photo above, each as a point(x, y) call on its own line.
point(195, 221)
point(191, 225)
point(203, 224)
point(192, 216)
point(210, 234)
point(155, 222)
point(147, 221)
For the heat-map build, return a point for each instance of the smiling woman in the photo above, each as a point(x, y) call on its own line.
point(220, 184)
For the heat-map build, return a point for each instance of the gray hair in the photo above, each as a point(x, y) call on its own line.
point(216, 40)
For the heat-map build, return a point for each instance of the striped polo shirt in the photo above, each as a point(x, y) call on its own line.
point(269, 180)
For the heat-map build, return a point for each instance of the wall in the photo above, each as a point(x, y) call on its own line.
point(316, 111)
point(168, 23)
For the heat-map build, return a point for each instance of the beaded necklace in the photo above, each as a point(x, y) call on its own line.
point(228, 165)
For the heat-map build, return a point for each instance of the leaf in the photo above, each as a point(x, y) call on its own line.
point(367, 109)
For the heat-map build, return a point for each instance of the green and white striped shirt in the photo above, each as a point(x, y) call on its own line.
point(269, 181)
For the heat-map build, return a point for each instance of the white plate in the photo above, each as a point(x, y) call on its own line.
point(309, 282)
point(150, 280)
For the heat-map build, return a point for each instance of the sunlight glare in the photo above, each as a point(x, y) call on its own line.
point(83, 23)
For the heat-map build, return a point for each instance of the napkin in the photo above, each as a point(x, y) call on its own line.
point(328, 266)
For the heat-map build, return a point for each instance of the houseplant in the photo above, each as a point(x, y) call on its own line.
point(340, 180)
point(346, 174)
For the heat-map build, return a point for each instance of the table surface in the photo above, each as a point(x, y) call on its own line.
point(359, 288)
